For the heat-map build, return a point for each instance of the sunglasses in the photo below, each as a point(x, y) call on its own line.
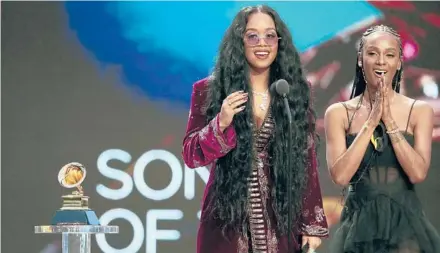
point(253, 39)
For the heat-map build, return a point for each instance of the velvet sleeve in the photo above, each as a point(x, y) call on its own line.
point(204, 142)
point(312, 220)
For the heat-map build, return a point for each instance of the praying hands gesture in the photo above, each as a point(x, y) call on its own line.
point(384, 90)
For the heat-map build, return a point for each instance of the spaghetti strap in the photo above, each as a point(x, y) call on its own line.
point(383, 200)
point(409, 116)
point(350, 120)
point(346, 110)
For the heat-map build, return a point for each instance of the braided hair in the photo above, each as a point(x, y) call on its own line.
point(360, 83)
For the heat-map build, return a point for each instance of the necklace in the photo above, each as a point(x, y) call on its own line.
point(264, 98)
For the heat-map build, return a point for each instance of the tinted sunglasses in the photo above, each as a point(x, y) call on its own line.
point(253, 39)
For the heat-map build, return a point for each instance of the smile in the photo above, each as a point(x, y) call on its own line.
point(261, 54)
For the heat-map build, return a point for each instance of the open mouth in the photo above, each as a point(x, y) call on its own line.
point(380, 73)
point(261, 54)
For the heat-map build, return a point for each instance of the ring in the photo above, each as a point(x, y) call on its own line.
point(229, 103)
point(312, 251)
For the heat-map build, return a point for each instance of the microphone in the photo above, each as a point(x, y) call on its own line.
point(379, 139)
point(281, 87)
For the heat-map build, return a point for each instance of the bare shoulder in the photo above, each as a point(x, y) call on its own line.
point(340, 108)
point(333, 109)
point(422, 111)
point(335, 113)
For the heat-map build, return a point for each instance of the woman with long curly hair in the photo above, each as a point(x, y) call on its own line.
point(240, 131)
point(379, 145)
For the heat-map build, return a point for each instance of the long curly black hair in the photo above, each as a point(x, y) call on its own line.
point(230, 74)
point(359, 84)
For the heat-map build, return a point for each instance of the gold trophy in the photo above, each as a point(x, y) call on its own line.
point(75, 209)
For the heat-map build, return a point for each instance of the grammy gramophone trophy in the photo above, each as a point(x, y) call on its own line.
point(75, 209)
point(75, 220)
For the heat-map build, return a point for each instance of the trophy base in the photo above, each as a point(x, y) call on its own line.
point(77, 217)
point(76, 243)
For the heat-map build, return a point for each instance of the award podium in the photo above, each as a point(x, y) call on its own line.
point(76, 238)
point(75, 221)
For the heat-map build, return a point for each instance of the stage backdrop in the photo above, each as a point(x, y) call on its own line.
point(108, 84)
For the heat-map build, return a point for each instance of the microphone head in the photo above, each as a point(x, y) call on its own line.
point(281, 87)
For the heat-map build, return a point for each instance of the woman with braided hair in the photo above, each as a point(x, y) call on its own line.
point(237, 129)
point(379, 145)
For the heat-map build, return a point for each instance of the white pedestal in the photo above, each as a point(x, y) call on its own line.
point(76, 238)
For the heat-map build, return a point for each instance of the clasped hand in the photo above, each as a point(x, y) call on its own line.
point(381, 106)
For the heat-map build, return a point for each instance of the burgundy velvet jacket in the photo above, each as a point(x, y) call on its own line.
point(203, 144)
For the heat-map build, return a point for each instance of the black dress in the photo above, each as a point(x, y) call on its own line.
point(382, 212)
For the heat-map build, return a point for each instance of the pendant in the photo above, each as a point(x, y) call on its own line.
point(263, 104)
point(264, 97)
